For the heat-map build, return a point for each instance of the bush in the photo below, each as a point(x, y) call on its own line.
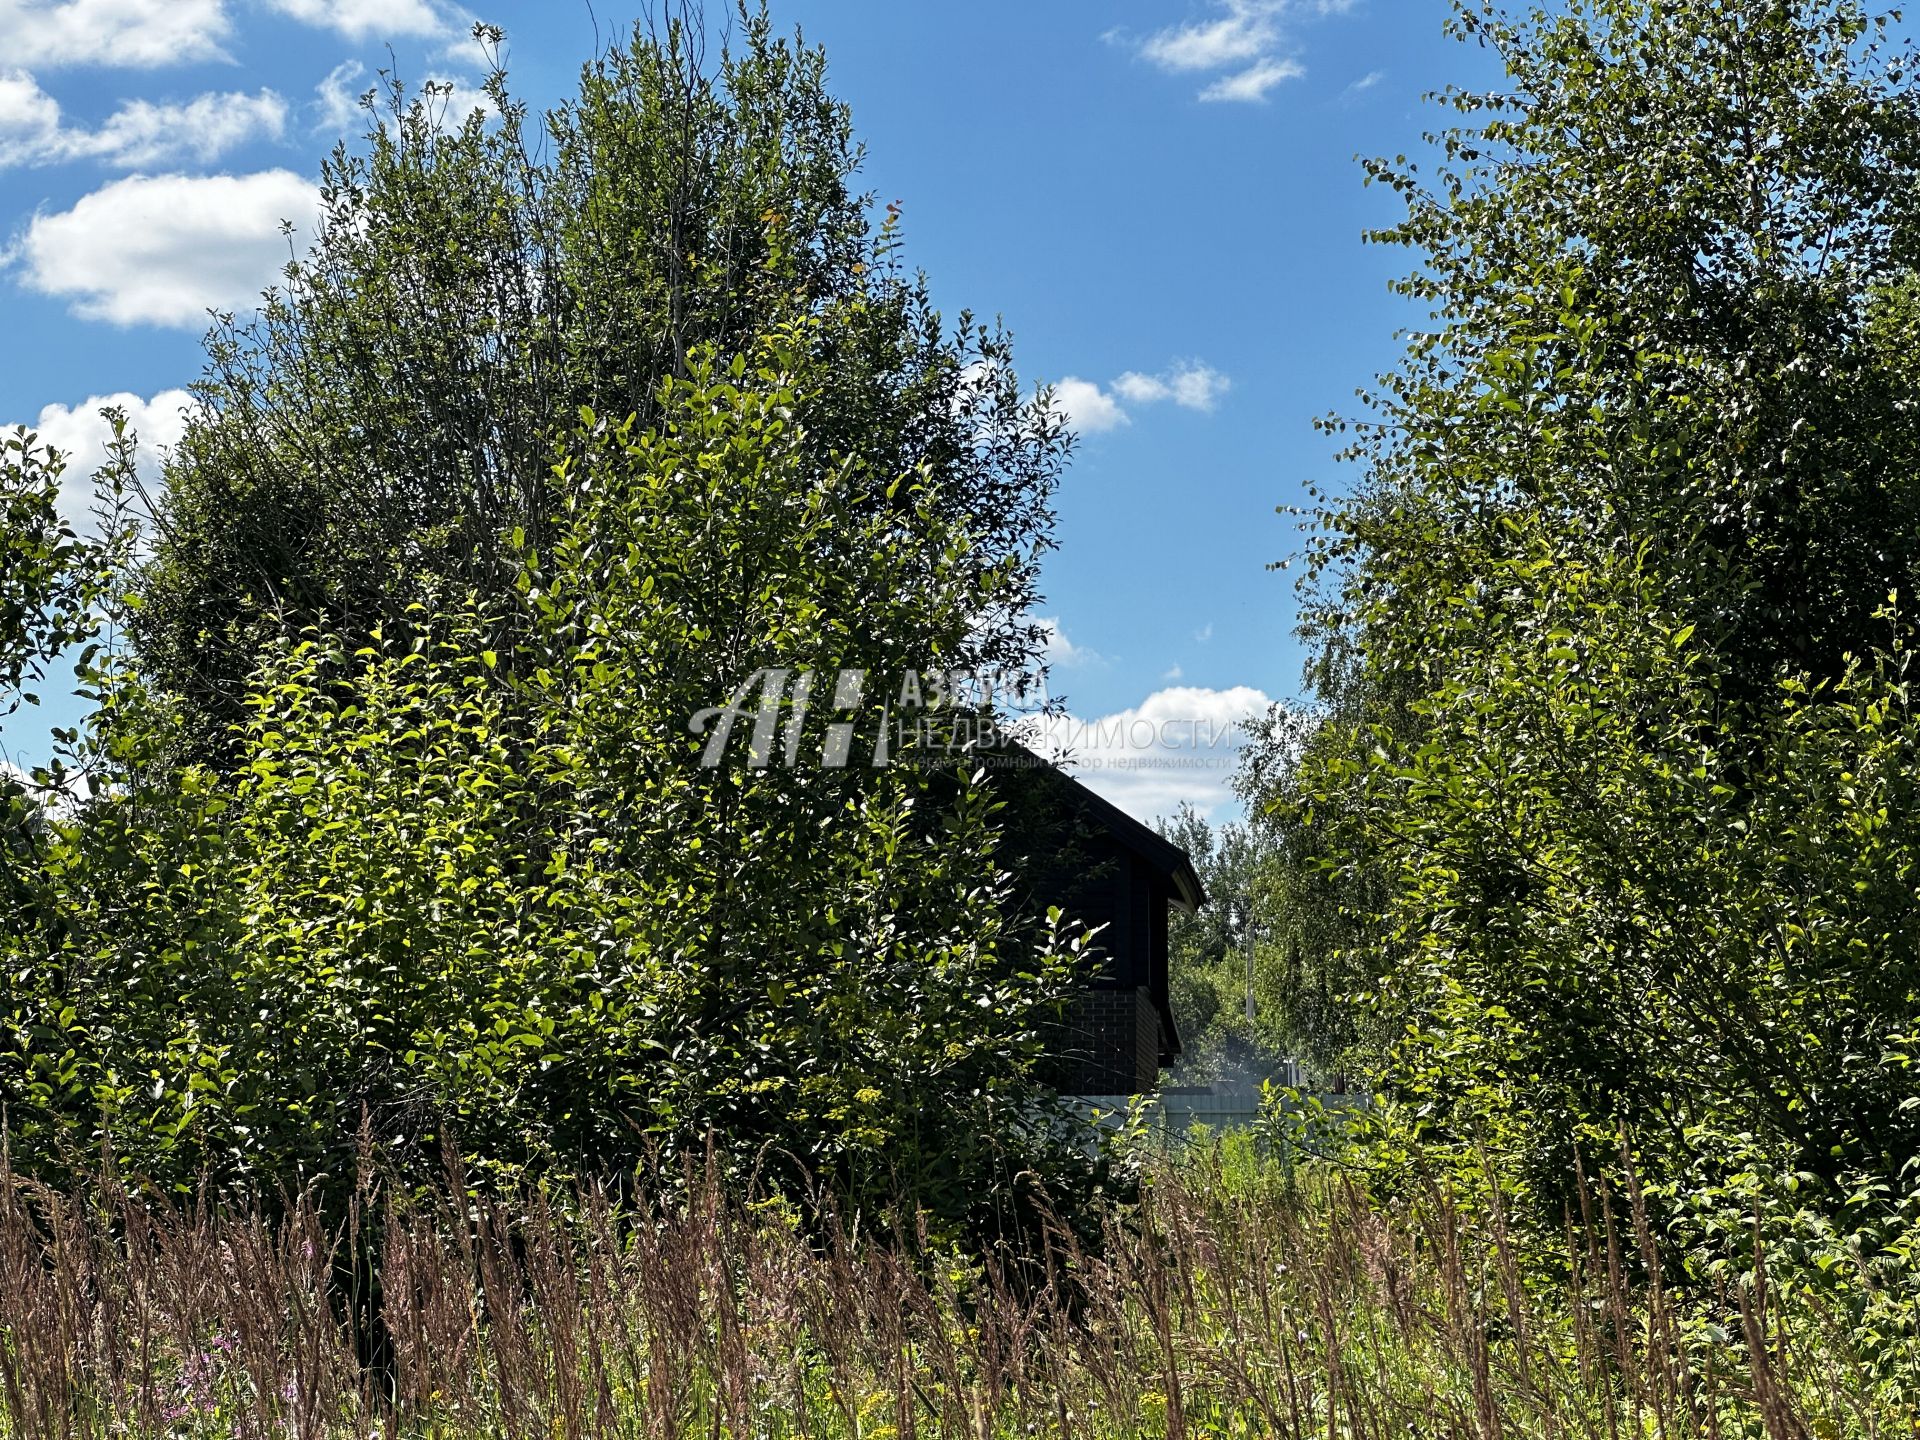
point(1612, 798)
point(492, 900)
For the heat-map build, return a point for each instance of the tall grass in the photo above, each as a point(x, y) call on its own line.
point(1232, 1302)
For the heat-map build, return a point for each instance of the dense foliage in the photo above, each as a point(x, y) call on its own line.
point(390, 416)
point(410, 825)
point(1610, 790)
point(42, 593)
point(1209, 954)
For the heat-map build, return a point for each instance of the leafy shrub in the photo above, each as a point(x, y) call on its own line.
point(491, 900)
point(1610, 796)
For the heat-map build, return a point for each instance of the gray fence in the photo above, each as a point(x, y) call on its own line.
point(1177, 1109)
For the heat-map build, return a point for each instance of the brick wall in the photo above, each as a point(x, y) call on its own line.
point(1109, 1044)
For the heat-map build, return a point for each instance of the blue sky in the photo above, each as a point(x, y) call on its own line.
point(1159, 197)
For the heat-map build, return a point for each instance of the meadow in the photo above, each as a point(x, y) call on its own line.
point(1236, 1298)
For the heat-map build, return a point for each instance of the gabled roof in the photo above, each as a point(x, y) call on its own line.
point(1160, 853)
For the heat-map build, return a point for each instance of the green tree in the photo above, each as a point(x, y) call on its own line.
point(1319, 890)
point(44, 570)
point(451, 894)
point(1207, 953)
point(389, 418)
point(43, 609)
point(1604, 641)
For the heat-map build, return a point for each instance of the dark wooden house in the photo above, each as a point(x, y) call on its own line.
point(1104, 868)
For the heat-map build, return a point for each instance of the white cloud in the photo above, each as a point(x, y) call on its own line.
point(1092, 409)
point(1180, 744)
point(1141, 389)
point(150, 33)
point(1204, 633)
point(1366, 82)
point(1173, 673)
point(1189, 384)
point(1088, 408)
point(163, 250)
point(374, 19)
point(136, 34)
point(449, 100)
point(56, 802)
point(145, 34)
point(454, 100)
point(205, 128)
point(339, 97)
point(1059, 650)
point(1245, 31)
point(460, 46)
point(1249, 37)
point(80, 434)
point(21, 776)
point(25, 109)
point(139, 133)
point(1253, 83)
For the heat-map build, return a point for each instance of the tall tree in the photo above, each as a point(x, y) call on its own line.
point(1604, 642)
point(390, 417)
point(43, 570)
point(412, 827)
point(531, 904)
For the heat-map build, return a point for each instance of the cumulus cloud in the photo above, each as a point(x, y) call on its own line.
point(1248, 30)
point(1191, 385)
point(1091, 408)
point(337, 101)
point(164, 250)
point(55, 801)
point(80, 434)
point(461, 47)
point(454, 100)
point(1180, 745)
point(25, 109)
point(1088, 408)
point(1249, 38)
point(145, 34)
point(139, 133)
point(12, 774)
point(1059, 650)
point(338, 98)
point(375, 19)
point(137, 34)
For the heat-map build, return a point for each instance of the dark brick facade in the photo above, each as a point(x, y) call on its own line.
point(1110, 1043)
point(1107, 871)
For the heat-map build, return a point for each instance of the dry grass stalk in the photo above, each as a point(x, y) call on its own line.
point(1272, 1308)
